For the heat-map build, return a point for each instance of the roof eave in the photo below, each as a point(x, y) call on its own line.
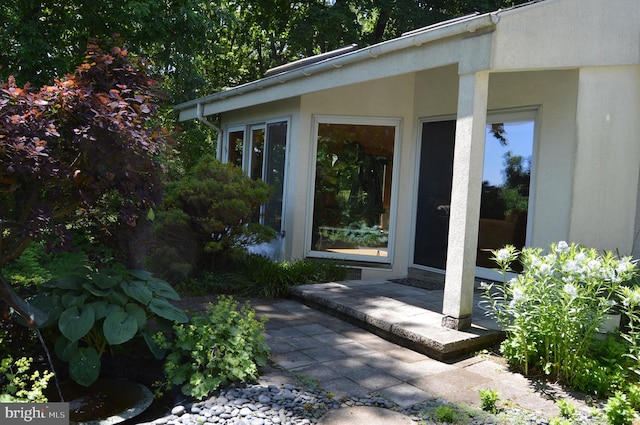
point(473, 24)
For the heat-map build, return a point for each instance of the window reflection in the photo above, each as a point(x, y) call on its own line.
point(505, 188)
point(236, 140)
point(353, 188)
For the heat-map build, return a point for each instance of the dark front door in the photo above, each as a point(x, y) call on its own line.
point(434, 193)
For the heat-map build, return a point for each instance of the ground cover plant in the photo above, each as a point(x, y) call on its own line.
point(226, 344)
point(553, 312)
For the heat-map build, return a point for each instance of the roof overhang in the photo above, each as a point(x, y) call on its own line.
point(232, 98)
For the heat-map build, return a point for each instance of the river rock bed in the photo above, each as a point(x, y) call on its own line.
point(290, 405)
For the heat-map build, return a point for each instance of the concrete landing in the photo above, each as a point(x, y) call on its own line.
point(405, 315)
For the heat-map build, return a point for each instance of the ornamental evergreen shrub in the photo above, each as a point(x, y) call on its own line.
point(207, 216)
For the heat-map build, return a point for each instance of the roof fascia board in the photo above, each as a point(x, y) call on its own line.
point(188, 110)
point(470, 56)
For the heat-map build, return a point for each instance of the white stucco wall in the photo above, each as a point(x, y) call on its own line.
point(568, 33)
point(604, 199)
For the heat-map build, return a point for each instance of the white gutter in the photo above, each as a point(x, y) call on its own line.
point(414, 38)
point(203, 120)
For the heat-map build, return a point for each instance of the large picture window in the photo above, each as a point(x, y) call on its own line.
point(353, 188)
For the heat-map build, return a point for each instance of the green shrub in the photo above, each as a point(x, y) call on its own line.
point(551, 311)
point(36, 266)
point(212, 211)
point(224, 345)
point(488, 400)
point(633, 393)
point(95, 310)
point(568, 410)
point(618, 410)
point(445, 413)
point(257, 276)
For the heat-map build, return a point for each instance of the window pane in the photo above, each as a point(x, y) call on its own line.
point(257, 152)
point(275, 158)
point(505, 188)
point(236, 140)
point(352, 195)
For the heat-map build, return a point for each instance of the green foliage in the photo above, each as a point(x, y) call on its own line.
point(208, 216)
point(488, 400)
point(36, 266)
point(633, 393)
point(445, 413)
point(630, 297)
point(257, 276)
point(568, 410)
point(224, 345)
point(20, 382)
point(96, 310)
point(619, 410)
point(358, 234)
point(605, 369)
point(551, 313)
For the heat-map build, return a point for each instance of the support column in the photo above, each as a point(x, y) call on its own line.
point(465, 200)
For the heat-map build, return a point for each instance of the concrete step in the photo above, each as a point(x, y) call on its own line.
point(406, 316)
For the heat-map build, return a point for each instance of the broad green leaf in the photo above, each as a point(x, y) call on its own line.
point(94, 290)
point(165, 309)
point(65, 349)
point(137, 290)
point(75, 322)
point(138, 312)
point(73, 281)
point(119, 327)
point(118, 298)
point(163, 289)
point(106, 280)
point(141, 274)
point(84, 367)
point(70, 299)
point(103, 308)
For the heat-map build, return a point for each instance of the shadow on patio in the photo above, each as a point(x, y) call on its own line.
point(405, 315)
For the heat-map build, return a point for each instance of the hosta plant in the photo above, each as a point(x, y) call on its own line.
point(100, 310)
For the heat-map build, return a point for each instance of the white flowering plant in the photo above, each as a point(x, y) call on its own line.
point(551, 311)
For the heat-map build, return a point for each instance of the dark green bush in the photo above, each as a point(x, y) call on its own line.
point(207, 217)
point(257, 276)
